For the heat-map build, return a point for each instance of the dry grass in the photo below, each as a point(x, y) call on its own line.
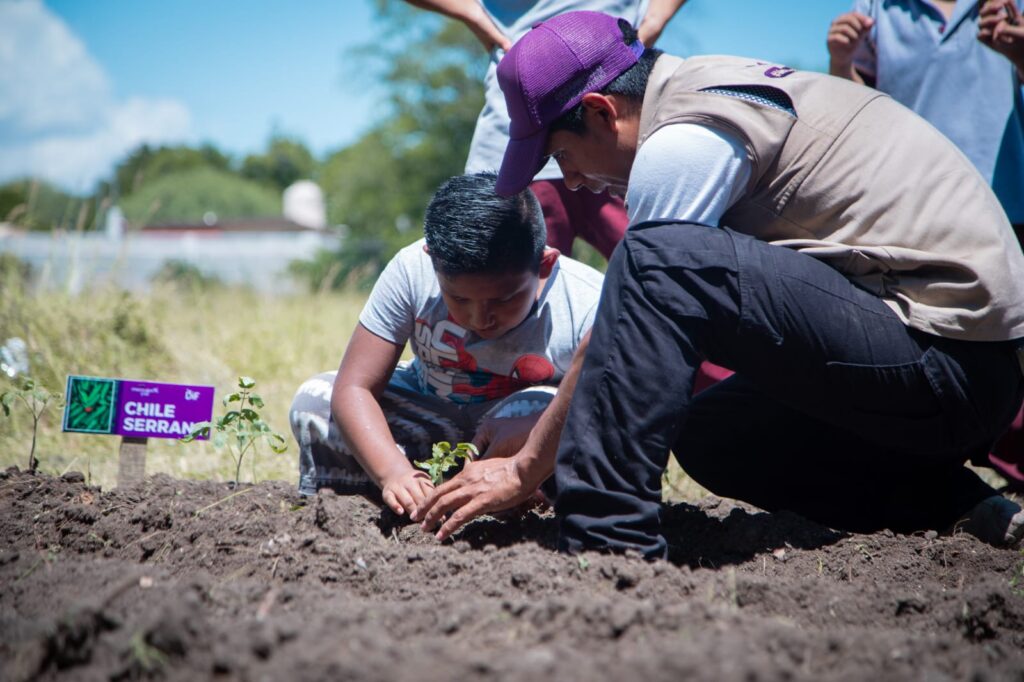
point(201, 337)
point(192, 336)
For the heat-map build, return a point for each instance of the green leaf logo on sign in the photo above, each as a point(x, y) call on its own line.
point(91, 404)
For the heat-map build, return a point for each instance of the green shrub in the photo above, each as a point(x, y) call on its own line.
point(187, 196)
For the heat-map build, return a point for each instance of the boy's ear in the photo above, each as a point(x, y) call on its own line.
point(548, 260)
point(425, 249)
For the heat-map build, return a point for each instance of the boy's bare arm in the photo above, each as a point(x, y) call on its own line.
point(363, 375)
point(472, 14)
point(492, 485)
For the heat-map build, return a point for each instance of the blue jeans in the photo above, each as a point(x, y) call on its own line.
point(838, 411)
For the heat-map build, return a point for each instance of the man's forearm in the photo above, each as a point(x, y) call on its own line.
point(536, 461)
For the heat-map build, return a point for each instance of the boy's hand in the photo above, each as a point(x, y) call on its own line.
point(845, 35)
point(1001, 28)
point(404, 492)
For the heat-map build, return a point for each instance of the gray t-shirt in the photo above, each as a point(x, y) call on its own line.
point(515, 18)
point(456, 364)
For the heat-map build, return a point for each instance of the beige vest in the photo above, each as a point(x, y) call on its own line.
point(862, 183)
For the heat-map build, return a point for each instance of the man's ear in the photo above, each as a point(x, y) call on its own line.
point(548, 260)
point(425, 249)
point(603, 110)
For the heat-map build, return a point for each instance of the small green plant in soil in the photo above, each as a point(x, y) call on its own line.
point(36, 398)
point(241, 428)
point(1017, 581)
point(445, 457)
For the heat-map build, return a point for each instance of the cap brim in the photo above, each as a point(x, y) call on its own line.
point(523, 159)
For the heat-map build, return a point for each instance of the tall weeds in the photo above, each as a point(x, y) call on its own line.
point(182, 336)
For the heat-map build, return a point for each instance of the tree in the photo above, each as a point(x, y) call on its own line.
point(38, 205)
point(146, 165)
point(284, 162)
point(189, 195)
point(380, 186)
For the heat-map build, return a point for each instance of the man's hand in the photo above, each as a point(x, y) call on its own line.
point(405, 491)
point(1001, 28)
point(482, 487)
point(496, 484)
point(845, 35)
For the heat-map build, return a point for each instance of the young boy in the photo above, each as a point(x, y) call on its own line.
point(493, 317)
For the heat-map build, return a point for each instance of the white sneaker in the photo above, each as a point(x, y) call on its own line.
point(995, 520)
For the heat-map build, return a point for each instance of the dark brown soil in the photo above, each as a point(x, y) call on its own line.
point(192, 580)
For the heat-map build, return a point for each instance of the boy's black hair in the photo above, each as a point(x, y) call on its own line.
point(631, 84)
point(470, 229)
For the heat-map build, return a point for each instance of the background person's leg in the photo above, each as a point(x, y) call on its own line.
point(556, 216)
point(598, 219)
point(793, 326)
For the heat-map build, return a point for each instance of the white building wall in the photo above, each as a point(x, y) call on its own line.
point(77, 261)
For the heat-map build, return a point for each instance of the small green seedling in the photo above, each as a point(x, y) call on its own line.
point(36, 399)
point(240, 430)
point(444, 457)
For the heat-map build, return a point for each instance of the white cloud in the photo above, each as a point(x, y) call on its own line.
point(58, 118)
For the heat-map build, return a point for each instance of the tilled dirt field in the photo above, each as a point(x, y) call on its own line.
point(193, 580)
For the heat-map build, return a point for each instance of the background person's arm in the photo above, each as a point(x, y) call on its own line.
point(659, 13)
point(846, 35)
point(472, 14)
point(363, 375)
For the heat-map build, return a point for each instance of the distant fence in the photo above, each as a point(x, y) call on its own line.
point(75, 261)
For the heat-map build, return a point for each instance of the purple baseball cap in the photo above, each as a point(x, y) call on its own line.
point(545, 74)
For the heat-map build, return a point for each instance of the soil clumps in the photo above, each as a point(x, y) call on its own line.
point(188, 580)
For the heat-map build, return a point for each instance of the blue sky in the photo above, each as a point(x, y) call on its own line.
point(84, 81)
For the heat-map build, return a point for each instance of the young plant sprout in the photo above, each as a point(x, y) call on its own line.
point(36, 399)
point(444, 457)
point(241, 429)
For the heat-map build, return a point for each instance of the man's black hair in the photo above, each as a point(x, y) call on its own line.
point(470, 229)
point(631, 83)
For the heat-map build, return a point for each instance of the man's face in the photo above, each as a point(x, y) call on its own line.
point(489, 305)
point(590, 160)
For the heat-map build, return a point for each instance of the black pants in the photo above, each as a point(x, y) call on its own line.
point(838, 411)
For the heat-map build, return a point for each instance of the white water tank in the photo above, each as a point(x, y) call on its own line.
point(304, 204)
point(113, 226)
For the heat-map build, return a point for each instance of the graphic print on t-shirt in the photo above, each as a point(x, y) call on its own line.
point(453, 373)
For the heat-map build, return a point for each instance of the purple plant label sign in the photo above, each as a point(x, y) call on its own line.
point(147, 409)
